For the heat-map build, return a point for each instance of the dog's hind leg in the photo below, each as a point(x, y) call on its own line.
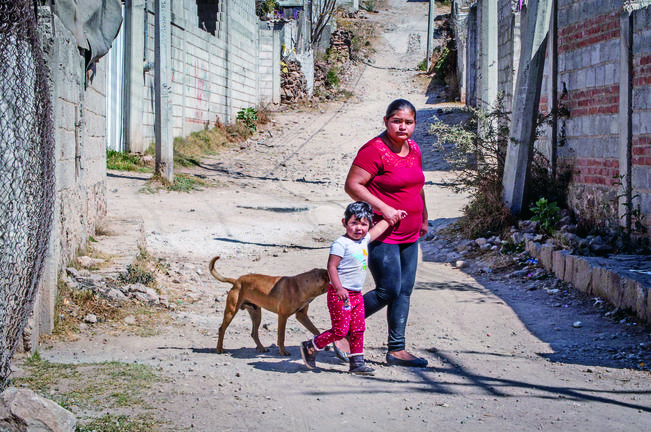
point(301, 316)
point(256, 318)
point(230, 310)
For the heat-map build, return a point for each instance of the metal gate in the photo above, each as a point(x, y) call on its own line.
point(115, 92)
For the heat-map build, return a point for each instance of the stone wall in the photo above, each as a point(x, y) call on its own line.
point(79, 118)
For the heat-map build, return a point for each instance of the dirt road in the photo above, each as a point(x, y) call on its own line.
point(501, 357)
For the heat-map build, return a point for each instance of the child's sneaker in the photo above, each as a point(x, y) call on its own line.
point(309, 352)
point(358, 367)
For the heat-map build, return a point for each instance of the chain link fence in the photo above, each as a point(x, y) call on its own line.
point(26, 172)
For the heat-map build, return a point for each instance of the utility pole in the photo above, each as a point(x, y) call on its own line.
point(162, 123)
point(430, 35)
point(525, 103)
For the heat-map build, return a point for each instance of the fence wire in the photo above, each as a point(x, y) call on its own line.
point(26, 172)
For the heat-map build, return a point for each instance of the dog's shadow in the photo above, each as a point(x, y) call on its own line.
point(272, 361)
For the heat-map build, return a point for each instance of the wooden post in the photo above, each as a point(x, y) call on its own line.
point(162, 124)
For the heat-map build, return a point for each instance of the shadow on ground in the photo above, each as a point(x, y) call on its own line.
point(574, 324)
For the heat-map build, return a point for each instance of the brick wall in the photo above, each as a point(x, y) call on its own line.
point(592, 75)
point(588, 70)
point(590, 84)
point(641, 133)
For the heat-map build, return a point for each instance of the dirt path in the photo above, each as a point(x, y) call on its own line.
point(502, 356)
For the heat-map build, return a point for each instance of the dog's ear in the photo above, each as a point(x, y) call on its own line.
point(324, 275)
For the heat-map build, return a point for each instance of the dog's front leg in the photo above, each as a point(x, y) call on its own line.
point(282, 323)
point(256, 318)
point(301, 316)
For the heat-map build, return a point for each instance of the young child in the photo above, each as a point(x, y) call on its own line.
point(347, 264)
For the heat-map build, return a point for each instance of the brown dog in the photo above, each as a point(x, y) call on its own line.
point(284, 295)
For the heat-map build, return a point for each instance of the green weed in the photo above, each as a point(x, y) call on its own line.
point(137, 274)
point(122, 161)
point(332, 76)
point(546, 213)
point(118, 423)
point(248, 116)
point(89, 385)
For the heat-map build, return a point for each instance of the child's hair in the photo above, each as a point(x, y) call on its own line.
point(359, 209)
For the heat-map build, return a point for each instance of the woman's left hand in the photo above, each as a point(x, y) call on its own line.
point(423, 229)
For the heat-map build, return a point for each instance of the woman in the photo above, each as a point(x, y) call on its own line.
point(388, 174)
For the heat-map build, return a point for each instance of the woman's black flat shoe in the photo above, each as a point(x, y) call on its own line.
point(415, 362)
point(341, 355)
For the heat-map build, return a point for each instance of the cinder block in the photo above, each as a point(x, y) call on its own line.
point(628, 294)
point(642, 300)
point(582, 275)
point(568, 274)
point(558, 263)
point(546, 252)
point(600, 278)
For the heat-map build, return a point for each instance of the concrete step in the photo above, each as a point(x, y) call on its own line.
point(120, 239)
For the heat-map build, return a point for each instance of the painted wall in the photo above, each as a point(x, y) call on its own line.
point(213, 76)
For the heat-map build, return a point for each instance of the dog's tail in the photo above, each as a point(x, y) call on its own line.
point(216, 275)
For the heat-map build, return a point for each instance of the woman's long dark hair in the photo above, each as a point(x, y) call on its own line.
point(398, 105)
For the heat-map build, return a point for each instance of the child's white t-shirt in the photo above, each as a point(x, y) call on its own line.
point(354, 261)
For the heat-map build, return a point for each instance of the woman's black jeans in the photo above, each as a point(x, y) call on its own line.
point(393, 267)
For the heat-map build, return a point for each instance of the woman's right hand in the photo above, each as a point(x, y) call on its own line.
point(342, 294)
point(393, 216)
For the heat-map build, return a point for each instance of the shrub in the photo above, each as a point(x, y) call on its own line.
point(476, 150)
point(332, 76)
point(368, 5)
point(546, 213)
point(248, 116)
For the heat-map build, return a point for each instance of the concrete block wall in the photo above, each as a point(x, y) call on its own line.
point(269, 65)
point(592, 142)
point(79, 118)
point(588, 68)
point(212, 76)
point(243, 56)
point(641, 133)
point(508, 48)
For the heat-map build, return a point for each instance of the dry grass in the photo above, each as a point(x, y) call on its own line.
point(89, 388)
